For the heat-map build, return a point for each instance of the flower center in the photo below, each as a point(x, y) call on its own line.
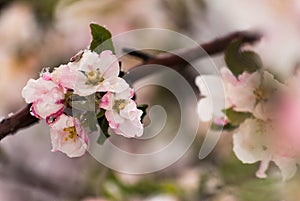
point(72, 134)
point(119, 105)
point(261, 94)
point(93, 77)
point(264, 93)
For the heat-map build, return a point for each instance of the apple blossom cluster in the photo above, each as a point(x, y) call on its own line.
point(263, 115)
point(77, 96)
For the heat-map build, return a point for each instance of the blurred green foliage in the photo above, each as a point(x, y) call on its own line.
point(142, 188)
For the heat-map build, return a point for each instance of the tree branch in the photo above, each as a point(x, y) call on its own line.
point(19, 120)
point(211, 48)
point(138, 54)
point(23, 118)
point(181, 61)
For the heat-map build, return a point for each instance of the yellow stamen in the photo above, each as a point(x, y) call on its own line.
point(94, 78)
point(261, 94)
point(72, 133)
point(119, 105)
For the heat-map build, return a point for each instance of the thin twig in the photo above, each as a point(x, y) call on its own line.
point(23, 118)
point(139, 54)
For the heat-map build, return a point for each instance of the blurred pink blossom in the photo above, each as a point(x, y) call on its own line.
point(251, 144)
point(286, 121)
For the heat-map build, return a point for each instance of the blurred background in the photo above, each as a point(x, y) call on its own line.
point(35, 34)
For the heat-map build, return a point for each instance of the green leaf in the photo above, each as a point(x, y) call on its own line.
point(101, 39)
point(239, 61)
point(101, 113)
point(101, 139)
point(236, 118)
point(228, 127)
point(143, 107)
point(104, 125)
point(91, 120)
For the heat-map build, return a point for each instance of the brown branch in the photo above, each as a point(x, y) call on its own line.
point(19, 120)
point(211, 48)
point(138, 54)
point(23, 118)
point(181, 60)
